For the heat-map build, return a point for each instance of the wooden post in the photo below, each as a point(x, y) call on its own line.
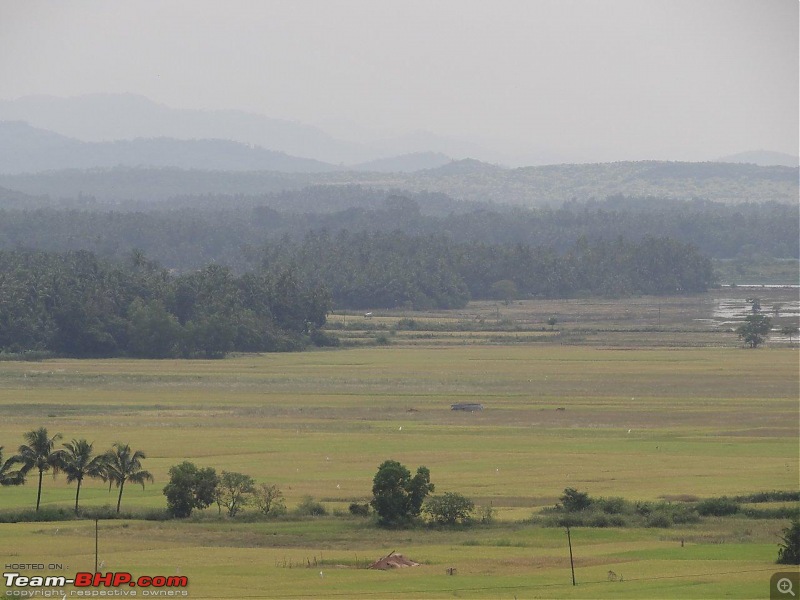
point(95, 544)
point(571, 563)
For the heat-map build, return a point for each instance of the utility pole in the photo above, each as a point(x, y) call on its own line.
point(571, 563)
point(95, 544)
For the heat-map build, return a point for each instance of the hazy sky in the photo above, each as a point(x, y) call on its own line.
point(605, 79)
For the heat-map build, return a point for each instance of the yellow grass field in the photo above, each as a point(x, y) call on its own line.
point(644, 424)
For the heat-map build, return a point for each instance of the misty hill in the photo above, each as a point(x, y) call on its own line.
point(106, 117)
point(26, 149)
point(762, 158)
point(406, 163)
point(531, 186)
point(466, 166)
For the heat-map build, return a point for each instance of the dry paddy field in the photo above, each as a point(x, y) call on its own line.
point(650, 423)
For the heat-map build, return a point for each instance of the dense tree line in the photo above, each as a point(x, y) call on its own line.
point(195, 233)
point(75, 304)
point(364, 270)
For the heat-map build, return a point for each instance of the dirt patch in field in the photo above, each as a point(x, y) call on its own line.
point(393, 561)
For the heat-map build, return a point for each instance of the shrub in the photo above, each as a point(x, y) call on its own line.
point(322, 339)
point(789, 550)
point(599, 520)
point(617, 521)
point(574, 501)
point(310, 508)
point(780, 512)
point(486, 515)
point(406, 323)
point(658, 519)
point(449, 508)
point(359, 510)
point(684, 514)
point(717, 507)
point(612, 506)
point(773, 496)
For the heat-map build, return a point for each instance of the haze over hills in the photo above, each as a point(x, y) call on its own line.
point(112, 117)
point(126, 147)
point(763, 158)
point(405, 163)
point(116, 117)
point(26, 149)
point(462, 180)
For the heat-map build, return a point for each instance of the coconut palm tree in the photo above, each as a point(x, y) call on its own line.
point(78, 462)
point(7, 476)
point(38, 453)
point(122, 464)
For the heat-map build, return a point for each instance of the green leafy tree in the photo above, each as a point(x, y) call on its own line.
point(234, 491)
point(123, 465)
point(8, 476)
point(449, 508)
point(397, 497)
point(78, 461)
point(38, 454)
point(755, 329)
point(190, 488)
point(789, 548)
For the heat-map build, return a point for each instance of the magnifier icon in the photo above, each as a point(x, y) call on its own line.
point(784, 586)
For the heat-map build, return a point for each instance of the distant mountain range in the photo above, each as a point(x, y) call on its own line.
point(406, 163)
point(119, 147)
point(26, 149)
point(112, 117)
point(763, 158)
point(127, 117)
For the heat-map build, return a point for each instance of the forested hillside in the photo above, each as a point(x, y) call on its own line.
point(463, 180)
point(230, 230)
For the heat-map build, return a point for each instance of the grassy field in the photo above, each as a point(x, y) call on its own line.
point(646, 424)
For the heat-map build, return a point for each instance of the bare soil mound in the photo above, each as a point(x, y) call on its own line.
point(393, 561)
